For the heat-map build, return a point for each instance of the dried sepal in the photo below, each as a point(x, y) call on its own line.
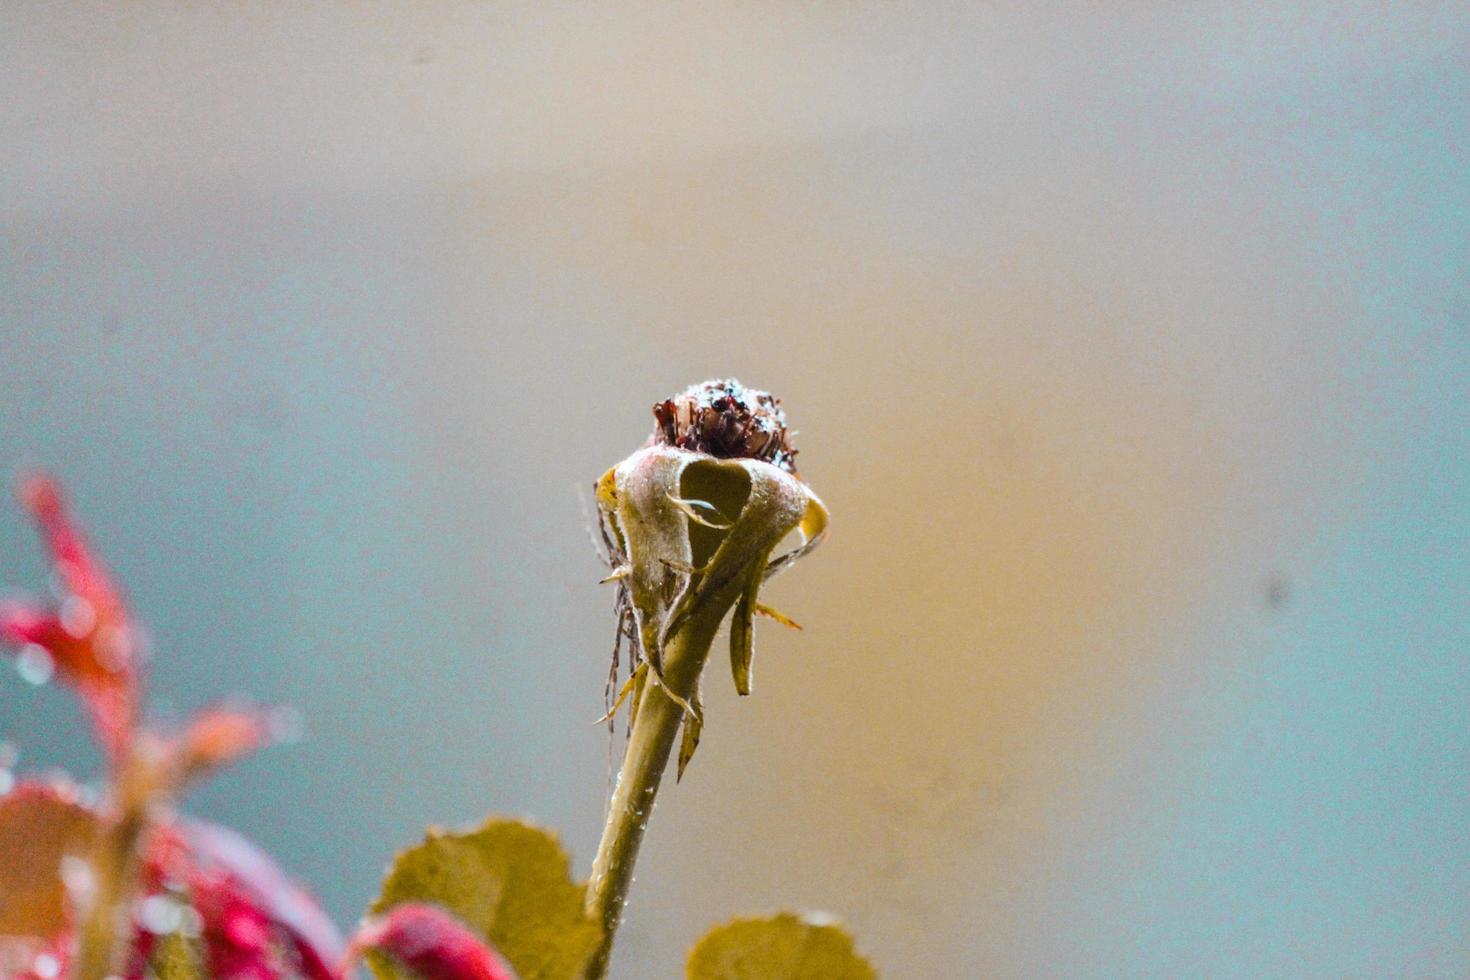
point(761, 609)
point(777, 503)
point(742, 633)
point(623, 693)
point(695, 533)
point(653, 528)
point(689, 739)
point(813, 530)
point(640, 680)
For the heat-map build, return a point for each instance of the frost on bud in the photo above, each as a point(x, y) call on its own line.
point(693, 520)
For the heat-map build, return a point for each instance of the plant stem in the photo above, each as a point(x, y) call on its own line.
point(104, 932)
point(104, 935)
point(654, 733)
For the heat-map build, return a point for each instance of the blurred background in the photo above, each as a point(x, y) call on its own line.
point(1127, 343)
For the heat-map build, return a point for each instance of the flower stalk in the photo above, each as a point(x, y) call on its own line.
point(106, 899)
point(692, 520)
point(649, 747)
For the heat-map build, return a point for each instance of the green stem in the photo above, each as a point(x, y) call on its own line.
point(654, 733)
point(102, 943)
point(104, 934)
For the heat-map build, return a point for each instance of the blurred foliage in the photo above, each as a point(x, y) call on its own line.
point(38, 830)
point(176, 957)
point(780, 947)
point(511, 883)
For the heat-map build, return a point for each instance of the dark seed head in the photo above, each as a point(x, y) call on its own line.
point(727, 420)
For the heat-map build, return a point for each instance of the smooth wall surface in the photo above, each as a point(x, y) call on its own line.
point(1128, 344)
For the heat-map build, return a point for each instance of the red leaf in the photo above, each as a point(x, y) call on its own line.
point(432, 943)
point(88, 636)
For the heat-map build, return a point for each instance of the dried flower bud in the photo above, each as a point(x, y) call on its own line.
point(692, 520)
point(726, 420)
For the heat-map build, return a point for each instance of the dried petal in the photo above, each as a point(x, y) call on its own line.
point(687, 558)
point(643, 489)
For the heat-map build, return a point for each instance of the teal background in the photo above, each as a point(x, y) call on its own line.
point(1128, 344)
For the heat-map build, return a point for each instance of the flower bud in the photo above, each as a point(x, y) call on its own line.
point(695, 517)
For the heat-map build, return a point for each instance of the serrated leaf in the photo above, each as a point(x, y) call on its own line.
point(508, 881)
point(779, 947)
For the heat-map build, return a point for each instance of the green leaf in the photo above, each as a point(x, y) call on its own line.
point(508, 881)
point(781, 947)
point(176, 957)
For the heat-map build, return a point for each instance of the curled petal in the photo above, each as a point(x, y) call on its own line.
point(431, 943)
point(641, 492)
point(682, 564)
